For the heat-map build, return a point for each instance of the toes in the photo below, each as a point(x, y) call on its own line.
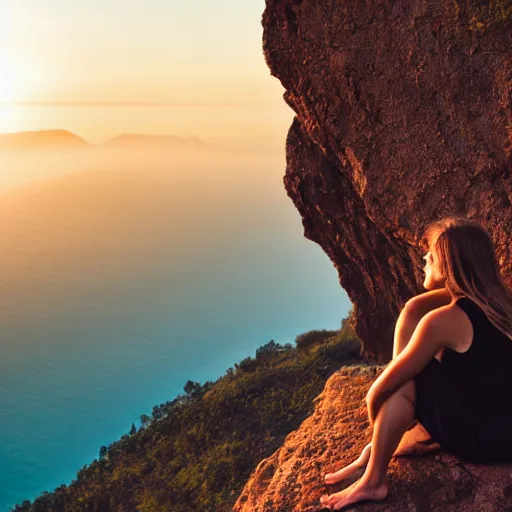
point(330, 478)
point(329, 501)
point(324, 500)
point(337, 504)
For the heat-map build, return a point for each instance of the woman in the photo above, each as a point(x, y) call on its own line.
point(451, 366)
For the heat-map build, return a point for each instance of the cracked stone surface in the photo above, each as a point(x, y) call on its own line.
point(403, 115)
point(290, 480)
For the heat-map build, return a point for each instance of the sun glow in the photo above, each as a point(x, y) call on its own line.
point(6, 29)
point(6, 85)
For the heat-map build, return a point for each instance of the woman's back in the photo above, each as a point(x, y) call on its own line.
point(464, 402)
point(484, 371)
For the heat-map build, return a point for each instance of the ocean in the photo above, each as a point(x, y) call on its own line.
point(125, 273)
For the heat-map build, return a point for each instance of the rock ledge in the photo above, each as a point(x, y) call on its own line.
point(290, 480)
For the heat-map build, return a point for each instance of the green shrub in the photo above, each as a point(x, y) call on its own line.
point(247, 365)
point(310, 338)
point(343, 348)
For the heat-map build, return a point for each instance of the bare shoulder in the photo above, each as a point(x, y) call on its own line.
point(421, 304)
point(453, 325)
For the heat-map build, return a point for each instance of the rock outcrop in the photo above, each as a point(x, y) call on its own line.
point(290, 480)
point(403, 115)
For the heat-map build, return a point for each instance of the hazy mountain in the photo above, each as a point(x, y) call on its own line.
point(42, 139)
point(62, 139)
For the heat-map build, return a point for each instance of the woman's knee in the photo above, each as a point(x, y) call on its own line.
point(412, 311)
point(406, 392)
point(405, 326)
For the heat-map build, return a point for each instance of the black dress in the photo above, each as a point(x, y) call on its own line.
point(464, 402)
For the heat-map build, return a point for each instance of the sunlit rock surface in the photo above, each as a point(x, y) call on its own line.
point(290, 480)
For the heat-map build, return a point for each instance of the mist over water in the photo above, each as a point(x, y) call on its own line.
point(123, 274)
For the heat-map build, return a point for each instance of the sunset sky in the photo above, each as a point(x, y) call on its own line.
point(194, 52)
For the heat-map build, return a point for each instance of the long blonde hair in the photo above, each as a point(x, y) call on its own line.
point(468, 261)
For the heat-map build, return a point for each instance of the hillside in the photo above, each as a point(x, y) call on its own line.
point(197, 451)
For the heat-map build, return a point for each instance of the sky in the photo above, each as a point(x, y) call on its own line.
point(193, 52)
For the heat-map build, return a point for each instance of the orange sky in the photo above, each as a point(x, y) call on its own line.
point(169, 51)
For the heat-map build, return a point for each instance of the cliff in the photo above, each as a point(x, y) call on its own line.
point(336, 433)
point(403, 115)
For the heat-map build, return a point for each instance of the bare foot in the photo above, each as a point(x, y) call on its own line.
point(351, 469)
point(418, 449)
point(416, 441)
point(358, 491)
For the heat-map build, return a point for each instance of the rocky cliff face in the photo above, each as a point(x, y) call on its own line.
point(335, 434)
point(403, 115)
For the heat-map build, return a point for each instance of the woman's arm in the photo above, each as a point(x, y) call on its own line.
point(434, 331)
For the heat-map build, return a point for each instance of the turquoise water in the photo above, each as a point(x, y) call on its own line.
point(124, 275)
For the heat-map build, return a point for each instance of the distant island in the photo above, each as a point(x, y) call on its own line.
point(42, 139)
point(63, 139)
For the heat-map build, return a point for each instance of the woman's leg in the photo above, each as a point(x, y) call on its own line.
point(357, 466)
point(404, 328)
point(392, 420)
point(388, 430)
point(406, 323)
